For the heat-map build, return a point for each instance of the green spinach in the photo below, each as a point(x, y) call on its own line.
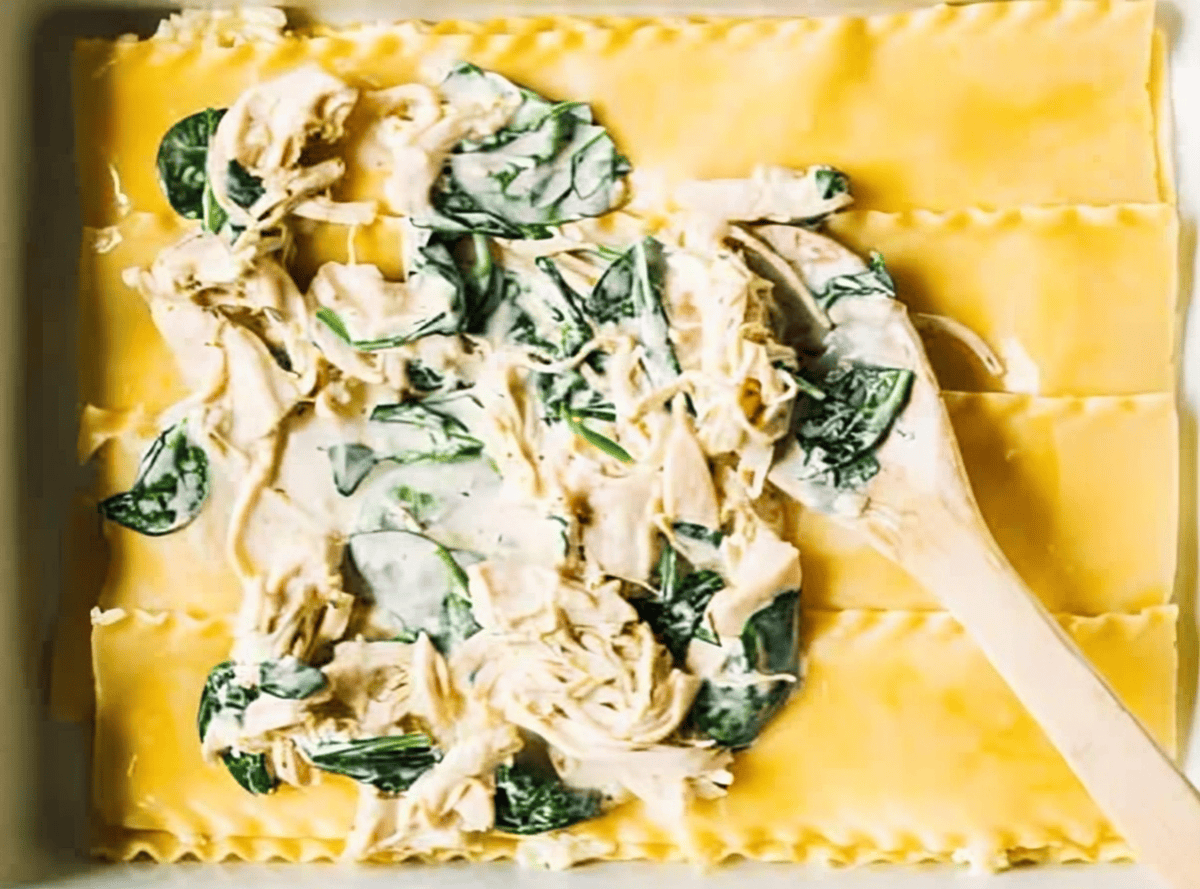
point(221, 692)
point(564, 326)
point(839, 433)
point(676, 613)
point(550, 164)
point(440, 322)
point(830, 182)
point(351, 463)
point(416, 585)
point(242, 186)
point(423, 378)
point(595, 439)
point(711, 536)
point(182, 164)
point(531, 801)
point(630, 292)
point(170, 488)
point(875, 280)
point(488, 285)
point(568, 393)
point(283, 678)
point(421, 432)
point(250, 770)
point(733, 709)
point(433, 434)
point(288, 677)
point(390, 763)
point(421, 505)
point(182, 159)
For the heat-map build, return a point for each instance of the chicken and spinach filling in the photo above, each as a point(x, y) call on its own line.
point(506, 544)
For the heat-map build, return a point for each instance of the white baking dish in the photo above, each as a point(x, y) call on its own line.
point(43, 766)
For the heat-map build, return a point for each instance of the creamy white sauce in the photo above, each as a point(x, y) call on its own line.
point(550, 528)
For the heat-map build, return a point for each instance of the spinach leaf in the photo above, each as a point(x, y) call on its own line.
point(220, 692)
point(416, 585)
point(182, 163)
point(391, 763)
point(734, 715)
point(839, 433)
point(549, 165)
point(242, 186)
point(170, 488)
point(417, 432)
point(630, 292)
point(422, 377)
point(563, 324)
point(421, 505)
point(250, 770)
point(872, 281)
point(831, 182)
point(568, 393)
point(675, 614)
point(439, 322)
point(711, 536)
point(351, 463)
point(488, 285)
point(459, 621)
point(529, 801)
point(428, 433)
point(771, 638)
point(733, 712)
point(596, 440)
point(182, 156)
point(288, 677)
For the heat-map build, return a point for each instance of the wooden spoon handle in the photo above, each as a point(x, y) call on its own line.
point(1130, 777)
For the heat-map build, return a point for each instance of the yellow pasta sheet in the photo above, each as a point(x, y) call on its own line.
point(903, 745)
point(1074, 300)
point(1049, 106)
point(1081, 494)
point(1085, 295)
point(1086, 536)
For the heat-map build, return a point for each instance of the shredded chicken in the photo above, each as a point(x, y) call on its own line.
point(265, 132)
point(414, 128)
point(689, 399)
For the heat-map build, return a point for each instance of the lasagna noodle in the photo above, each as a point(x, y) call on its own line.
point(912, 749)
point(906, 745)
point(1081, 494)
point(1075, 300)
point(1084, 295)
point(1087, 539)
point(1050, 106)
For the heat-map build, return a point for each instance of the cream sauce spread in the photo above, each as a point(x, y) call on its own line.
point(553, 535)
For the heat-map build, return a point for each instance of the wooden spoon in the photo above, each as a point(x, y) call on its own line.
point(919, 511)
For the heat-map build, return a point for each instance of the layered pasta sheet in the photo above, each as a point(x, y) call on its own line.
point(1018, 188)
point(905, 745)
